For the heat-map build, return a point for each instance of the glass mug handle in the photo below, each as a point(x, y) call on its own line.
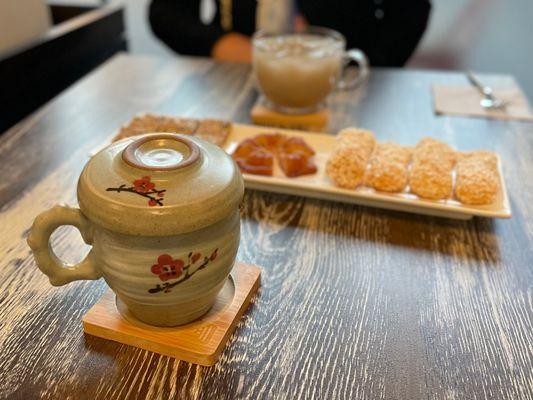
point(48, 262)
point(360, 58)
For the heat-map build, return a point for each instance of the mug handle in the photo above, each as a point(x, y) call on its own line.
point(360, 58)
point(48, 262)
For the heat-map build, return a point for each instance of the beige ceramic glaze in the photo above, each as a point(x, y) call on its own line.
point(161, 213)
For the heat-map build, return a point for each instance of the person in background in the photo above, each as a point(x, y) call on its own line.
point(388, 31)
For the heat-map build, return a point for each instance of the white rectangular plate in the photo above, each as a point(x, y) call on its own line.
point(320, 187)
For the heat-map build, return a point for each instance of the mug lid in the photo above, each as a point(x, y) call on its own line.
point(159, 184)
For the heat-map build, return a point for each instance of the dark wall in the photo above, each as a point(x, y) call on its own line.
point(34, 74)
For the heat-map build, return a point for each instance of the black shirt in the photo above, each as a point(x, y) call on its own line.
point(386, 30)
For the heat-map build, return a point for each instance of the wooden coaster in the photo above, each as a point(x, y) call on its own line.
point(262, 115)
point(199, 342)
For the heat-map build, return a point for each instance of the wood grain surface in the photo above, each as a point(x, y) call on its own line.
point(199, 342)
point(355, 303)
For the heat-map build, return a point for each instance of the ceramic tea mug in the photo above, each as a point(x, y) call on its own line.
point(297, 71)
point(161, 212)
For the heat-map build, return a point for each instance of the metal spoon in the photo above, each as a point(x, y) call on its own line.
point(488, 101)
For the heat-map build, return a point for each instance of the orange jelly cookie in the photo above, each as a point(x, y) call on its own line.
point(256, 155)
point(253, 159)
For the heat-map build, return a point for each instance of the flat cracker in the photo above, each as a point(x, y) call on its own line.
point(213, 130)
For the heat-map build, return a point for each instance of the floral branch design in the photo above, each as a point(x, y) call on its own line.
point(168, 268)
point(143, 187)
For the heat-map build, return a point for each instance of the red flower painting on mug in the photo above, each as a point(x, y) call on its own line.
point(168, 268)
point(143, 185)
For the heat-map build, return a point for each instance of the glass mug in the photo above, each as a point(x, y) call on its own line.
point(296, 72)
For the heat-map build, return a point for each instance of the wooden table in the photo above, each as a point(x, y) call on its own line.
point(355, 302)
